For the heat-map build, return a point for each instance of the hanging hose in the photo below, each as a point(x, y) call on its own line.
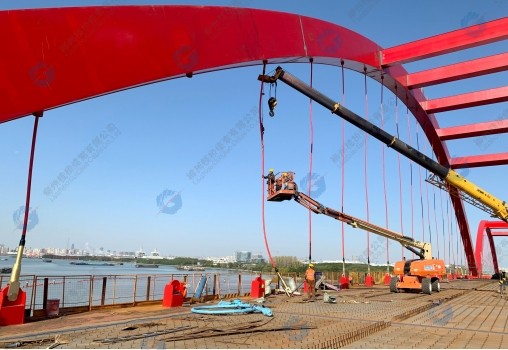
point(262, 132)
point(13, 292)
point(310, 162)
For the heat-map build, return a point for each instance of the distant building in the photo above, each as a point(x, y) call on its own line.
point(243, 256)
point(257, 259)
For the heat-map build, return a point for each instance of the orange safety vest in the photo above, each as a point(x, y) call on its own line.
point(309, 274)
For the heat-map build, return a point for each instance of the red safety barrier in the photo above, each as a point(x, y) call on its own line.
point(12, 312)
point(344, 282)
point(173, 296)
point(369, 281)
point(257, 288)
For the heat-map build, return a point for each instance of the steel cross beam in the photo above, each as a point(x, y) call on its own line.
point(480, 34)
point(470, 99)
point(473, 130)
point(479, 161)
point(457, 71)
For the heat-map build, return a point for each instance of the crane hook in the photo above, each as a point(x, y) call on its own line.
point(272, 102)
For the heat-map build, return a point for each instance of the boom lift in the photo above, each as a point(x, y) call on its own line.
point(443, 175)
point(421, 274)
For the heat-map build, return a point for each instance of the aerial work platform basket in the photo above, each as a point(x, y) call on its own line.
point(283, 188)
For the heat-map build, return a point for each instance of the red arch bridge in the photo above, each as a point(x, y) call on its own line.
point(38, 70)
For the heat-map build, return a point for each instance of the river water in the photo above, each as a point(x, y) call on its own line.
point(63, 267)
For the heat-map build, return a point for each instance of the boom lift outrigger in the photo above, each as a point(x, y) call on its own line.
point(467, 190)
point(420, 274)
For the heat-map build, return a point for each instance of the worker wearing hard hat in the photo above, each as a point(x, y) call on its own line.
point(270, 181)
point(310, 278)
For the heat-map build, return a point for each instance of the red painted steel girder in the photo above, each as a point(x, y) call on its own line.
point(65, 55)
point(499, 234)
point(486, 227)
point(472, 130)
point(479, 161)
point(470, 99)
point(480, 34)
point(457, 71)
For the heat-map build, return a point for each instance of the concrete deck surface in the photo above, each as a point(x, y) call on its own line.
point(465, 314)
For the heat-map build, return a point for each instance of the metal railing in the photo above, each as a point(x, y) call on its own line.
point(92, 291)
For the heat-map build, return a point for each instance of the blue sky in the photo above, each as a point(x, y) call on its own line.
point(153, 137)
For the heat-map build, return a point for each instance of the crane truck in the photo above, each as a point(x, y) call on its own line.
point(443, 175)
point(423, 274)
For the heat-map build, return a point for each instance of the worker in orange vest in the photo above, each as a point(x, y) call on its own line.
point(310, 278)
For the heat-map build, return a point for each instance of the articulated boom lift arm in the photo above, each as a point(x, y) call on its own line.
point(422, 249)
point(489, 203)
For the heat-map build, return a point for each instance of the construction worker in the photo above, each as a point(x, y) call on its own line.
point(310, 278)
point(284, 179)
point(270, 181)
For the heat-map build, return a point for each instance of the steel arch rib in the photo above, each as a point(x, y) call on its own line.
point(485, 227)
point(63, 55)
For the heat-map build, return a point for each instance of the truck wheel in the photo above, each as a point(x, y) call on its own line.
point(436, 286)
point(426, 286)
point(393, 285)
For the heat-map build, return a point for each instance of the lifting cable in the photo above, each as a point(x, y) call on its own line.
point(262, 133)
point(410, 172)
point(435, 221)
point(451, 250)
point(428, 203)
point(384, 174)
point(443, 224)
point(398, 163)
point(342, 168)
point(365, 168)
point(310, 162)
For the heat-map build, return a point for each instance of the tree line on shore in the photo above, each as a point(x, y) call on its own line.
point(284, 264)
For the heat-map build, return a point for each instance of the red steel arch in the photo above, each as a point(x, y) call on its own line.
point(486, 227)
point(60, 56)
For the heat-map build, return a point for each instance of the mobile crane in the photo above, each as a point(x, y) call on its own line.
point(422, 274)
point(443, 175)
